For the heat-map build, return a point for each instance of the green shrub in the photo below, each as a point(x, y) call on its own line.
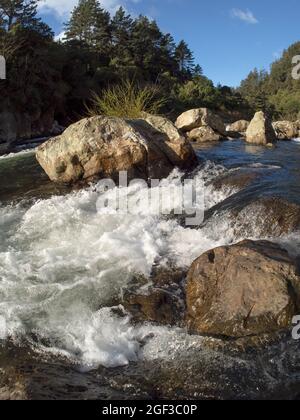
point(127, 100)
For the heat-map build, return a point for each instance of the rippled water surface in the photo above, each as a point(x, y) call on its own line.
point(64, 263)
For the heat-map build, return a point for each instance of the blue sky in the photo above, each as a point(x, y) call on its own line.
point(229, 37)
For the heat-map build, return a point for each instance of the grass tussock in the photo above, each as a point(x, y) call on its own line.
point(127, 100)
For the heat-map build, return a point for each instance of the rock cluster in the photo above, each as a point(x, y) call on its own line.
point(201, 125)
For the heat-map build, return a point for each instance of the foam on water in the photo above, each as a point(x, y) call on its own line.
point(18, 154)
point(64, 262)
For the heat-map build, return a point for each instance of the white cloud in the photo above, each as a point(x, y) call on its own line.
point(60, 37)
point(62, 8)
point(244, 15)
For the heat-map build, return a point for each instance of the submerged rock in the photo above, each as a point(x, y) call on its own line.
point(173, 366)
point(285, 130)
point(156, 305)
point(101, 146)
point(160, 299)
point(12, 384)
point(260, 130)
point(246, 289)
point(266, 217)
point(236, 180)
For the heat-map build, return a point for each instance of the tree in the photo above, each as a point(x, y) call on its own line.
point(184, 57)
point(47, 78)
point(197, 71)
point(121, 32)
point(144, 44)
point(253, 89)
point(89, 25)
point(22, 13)
point(199, 92)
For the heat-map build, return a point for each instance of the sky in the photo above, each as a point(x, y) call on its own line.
point(228, 37)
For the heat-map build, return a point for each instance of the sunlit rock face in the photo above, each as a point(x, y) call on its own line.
point(102, 147)
point(286, 130)
point(241, 290)
point(260, 130)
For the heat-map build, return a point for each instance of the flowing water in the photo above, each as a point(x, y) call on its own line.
point(65, 264)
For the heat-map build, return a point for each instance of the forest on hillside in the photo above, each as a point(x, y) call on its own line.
point(275, 91)
point(58, 78)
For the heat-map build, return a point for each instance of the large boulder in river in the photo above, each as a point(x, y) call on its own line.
point(200, 117)
point(102, 146)
point(246, 289)
point(203, 134)
point(260, 130)
point(285, 130)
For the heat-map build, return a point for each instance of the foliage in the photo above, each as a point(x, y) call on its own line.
point(276, 91)
point(98, 53)
point(127, 100)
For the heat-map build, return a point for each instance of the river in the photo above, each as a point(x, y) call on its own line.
point(64, 266)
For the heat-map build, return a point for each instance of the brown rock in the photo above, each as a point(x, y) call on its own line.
point(157, 305)
point(285, 130)
point(163, 302)
point(203, 134)
point(240, 126)
point(175, 145)
point(201, 117)
point(13, 386)
point(210, 119)
point(260, 130)
point(246, 289)
point(236, 180)
point(189, 120)
point(266, 217)
point(102, 147)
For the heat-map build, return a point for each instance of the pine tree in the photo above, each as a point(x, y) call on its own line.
point(197, 71)
point(22, 13)
point(90, 25)
point(253, 89)
point(121, 31)
point(184, 57)
point(165, 59)
point(145, 46)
